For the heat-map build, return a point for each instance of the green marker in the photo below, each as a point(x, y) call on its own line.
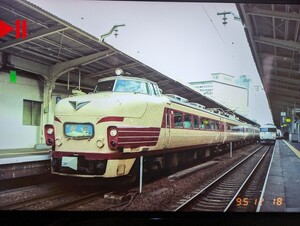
point(13, 76)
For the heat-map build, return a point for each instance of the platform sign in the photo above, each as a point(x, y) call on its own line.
point(283, 114)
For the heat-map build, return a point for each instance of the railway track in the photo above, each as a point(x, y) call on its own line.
point(232, 190)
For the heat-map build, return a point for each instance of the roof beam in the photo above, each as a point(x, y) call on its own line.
point(111, 70)
point(284, 103)
point(58, 69)
point(30, 66)
point(263, 56)
point(38, 34)
point(283, 85)
point(282, 79)
point(55, 18)
point(279, 91)
point(249, 33)
point(271, 13)
point(291, 45)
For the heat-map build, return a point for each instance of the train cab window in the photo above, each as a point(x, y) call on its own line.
point(150, 89)
point(178, 120)
point(268, 130)
point(156, 90)
point(187, 123)
point(124, 85)
point(195, 122)
point(105, 86)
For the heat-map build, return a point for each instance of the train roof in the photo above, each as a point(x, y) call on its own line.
point(216, 112)
point(268, 125)
point(125, 77)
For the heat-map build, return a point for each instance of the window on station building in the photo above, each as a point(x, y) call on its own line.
point(31, 113)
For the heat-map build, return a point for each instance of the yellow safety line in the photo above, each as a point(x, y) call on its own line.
point(295, 150)
point(22, 153)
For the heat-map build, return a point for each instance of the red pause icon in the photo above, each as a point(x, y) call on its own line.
point(6, 28)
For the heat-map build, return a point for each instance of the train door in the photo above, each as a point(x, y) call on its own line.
point(218, 128)
point(223, 129)
point(167, 124)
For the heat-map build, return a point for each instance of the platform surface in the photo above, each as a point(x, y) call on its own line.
point(11, 156)
point(282, 190)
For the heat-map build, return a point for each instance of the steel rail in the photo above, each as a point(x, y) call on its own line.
point(246, 180)
point(216, 181)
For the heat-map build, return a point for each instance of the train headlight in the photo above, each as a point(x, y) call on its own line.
point(119, 71)
point(50, 131)
point(113, 132)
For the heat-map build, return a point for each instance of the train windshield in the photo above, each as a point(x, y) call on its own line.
point(128, 85)
point(131, 86)
point(268, 130)
point(105, 86)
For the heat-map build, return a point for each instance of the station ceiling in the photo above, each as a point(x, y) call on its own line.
point(51, 41)
point(273, 34)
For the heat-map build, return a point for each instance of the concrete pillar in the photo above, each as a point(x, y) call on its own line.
point(47, 112)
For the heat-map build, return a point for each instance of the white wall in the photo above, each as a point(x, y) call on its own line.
point(231, 96)
point(13, 134)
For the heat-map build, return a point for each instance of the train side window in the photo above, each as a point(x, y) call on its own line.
point(178, 120)
point(217, 125)
point(187, 123)
point(229, 127)
point(212, 124)
point(202, 126)
point(196, 122)
point(207, 124)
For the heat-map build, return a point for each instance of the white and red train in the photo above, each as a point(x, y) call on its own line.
point(102, 134)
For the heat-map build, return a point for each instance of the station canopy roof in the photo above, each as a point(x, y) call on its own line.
point(273, 34)
point(51, 41)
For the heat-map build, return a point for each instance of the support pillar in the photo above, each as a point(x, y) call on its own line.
point(47, 112)
point(141, 174)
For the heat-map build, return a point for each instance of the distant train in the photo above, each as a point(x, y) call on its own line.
point(268, 134)
point(102, 134)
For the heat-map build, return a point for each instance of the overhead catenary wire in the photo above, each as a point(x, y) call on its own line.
point(214, 26)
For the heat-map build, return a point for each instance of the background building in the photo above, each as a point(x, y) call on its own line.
point(228, 91)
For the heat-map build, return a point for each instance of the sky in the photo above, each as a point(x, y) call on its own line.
point(185, 41)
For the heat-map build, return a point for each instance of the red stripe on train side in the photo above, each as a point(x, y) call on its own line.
point(138, 144)
point(136, 139)
point(157, 129)
point(138, 134)
point(111, 119)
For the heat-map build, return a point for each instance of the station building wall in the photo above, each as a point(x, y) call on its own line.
point(17, 130)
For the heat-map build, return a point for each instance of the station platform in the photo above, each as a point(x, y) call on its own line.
point(282, 188)
point(15, 163)
point(11, 156)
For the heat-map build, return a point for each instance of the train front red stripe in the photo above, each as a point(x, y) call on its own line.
point(138, 136)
